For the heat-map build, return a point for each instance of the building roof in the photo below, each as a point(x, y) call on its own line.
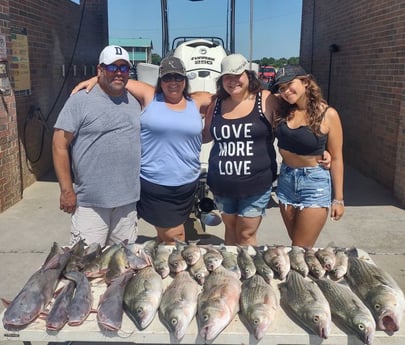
point(132, 42)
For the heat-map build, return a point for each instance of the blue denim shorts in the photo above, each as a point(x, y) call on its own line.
point(304, 187)
point(252, 206)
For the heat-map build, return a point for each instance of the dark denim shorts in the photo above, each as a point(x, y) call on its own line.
point(304, 187)
point(251, 206)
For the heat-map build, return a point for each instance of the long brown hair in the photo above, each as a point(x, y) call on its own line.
point(316, 105)
point(254, 85)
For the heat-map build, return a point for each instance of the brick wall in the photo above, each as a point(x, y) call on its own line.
point(61, 36)
point(364, 79)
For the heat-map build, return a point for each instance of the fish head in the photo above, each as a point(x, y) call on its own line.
point(212, 260)
point(364, 327)
point(317, 271)
point(387, 307)
point(162, 268)
point(259, 319)
point(328, 262)
point(212, 320)
point(143, 313)
point(176, 323)
point(337, 273)
point(191, 254)
point(24, 309)
point(177, 266)
point(200, 277)
point(319, 321)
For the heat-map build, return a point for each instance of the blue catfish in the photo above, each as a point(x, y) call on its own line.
point(81, 304)
point(110, 310)
point(36, 293)
point(58, 315)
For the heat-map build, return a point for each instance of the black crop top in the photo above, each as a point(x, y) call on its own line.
point(302, 140)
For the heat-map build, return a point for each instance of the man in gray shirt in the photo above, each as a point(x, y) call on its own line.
point(101, 129)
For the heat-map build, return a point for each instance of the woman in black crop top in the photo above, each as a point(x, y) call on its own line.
point(306, 128)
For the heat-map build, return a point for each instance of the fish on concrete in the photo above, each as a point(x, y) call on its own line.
point(82, 301)
point(262, 268)
point(258, 305)
point(245, 262)
point(136, 255)
point(230, 261)
point(218, 303)
point(176, 261)
point(91, 253)
point(297, 260)
point(199, 271)
point(305, 303)
point(98, 267)
point(110, 309)
point(326, 257)
point(314, 265)
point(179, 304)
point(58, 315)
point(191, 252)
point(37, 291)
point(142, 296)
point(342, 261)
point(212, 258)
point(77, 252)
point(348, 311)
point(117, 265)
point(160, 260)
point(379, 292)
point(278, 260)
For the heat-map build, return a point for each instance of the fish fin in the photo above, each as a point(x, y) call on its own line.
point(5, 302)
point(353, 252)
point(51, 263)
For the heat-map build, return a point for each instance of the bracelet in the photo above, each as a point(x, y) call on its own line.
point(338, 202)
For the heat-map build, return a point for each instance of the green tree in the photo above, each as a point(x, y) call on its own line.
point(156, 59)
point(293, 60)
point(277, 63)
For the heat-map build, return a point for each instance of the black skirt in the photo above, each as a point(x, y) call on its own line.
point(166, 206)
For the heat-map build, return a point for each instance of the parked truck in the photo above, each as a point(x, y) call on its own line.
point(267, 73)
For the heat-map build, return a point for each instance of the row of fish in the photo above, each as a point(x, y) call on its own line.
point(211, 284)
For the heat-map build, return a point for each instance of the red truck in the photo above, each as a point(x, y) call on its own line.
point(267, 73)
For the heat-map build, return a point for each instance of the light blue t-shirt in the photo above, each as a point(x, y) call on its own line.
point(106, 148)
point(171, 143)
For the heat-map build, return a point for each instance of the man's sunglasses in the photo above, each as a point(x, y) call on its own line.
point(173, 77)
point(114, 68)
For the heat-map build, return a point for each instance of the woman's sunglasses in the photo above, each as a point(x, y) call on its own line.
point(173, 77)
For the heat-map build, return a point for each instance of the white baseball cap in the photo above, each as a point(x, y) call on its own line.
point(234, 64)
point(113, 53)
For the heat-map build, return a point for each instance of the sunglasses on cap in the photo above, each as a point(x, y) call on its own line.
point(114, 68)
point(173, 77)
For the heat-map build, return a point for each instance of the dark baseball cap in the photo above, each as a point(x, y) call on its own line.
point(287, 73)
point(171, 64)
